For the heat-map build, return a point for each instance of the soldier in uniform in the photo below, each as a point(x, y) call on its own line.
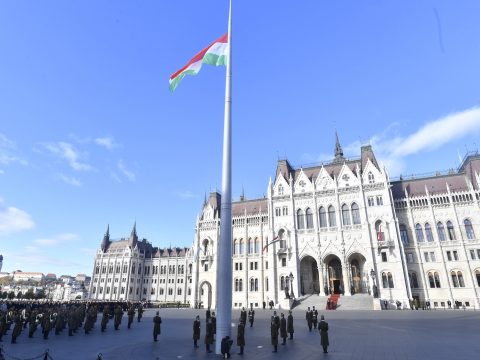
point(131, 315)
point(323, 329)
point(207, 314)
point(157, 320)
point(276, 319)
point(214, 324)
point(251, 316)
point(105, 317)
point(196, 331)
point(225, 347)
point(308, 317)
point(46, 325)
point(274, 334)
point(314, 317)
point(3, 324)
point(243, 315)
point(17, 330)
point(209, 335)
point(118, 317)
point(140, 312)
point(241, 336)
point(283, 328)
point(290, 329)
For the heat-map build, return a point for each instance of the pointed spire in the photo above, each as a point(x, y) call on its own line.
point(133, 236)
point(338, 149)
point(134, 230)
point(106, 239)
point(242, 196)
point(205, 199)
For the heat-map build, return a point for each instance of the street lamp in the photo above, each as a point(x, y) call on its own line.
point(291, 286)
point(373, 275)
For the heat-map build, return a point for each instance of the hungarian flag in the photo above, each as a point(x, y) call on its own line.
point(275, 239)
point(214, 54)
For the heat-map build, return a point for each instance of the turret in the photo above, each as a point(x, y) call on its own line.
point(106, 239)
point(132, 241)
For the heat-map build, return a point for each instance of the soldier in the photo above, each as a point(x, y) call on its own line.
point(17, 330)
point(274, 334)
point(251, 316)
point(118, 317)
point(3, 324)
point(209, 335)
point(277, 319)
point(308, 317)
point(196, 331)
point(207, 314)
point(71, 322)
point(283, 328)
point(214, 324)
point(157, 320)
point(46, 324)
point(323, 329)
point(241, 336)
point(225, 347)
point(105, 317)
point(243, 315)
point(90, 321)
point(314, 317)
point(131, 315)
point(290, 324)
point(140, 312)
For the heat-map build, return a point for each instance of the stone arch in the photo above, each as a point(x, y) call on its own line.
point(358, 273)
point(205, 295)
point(309, 279)
point(334, 275)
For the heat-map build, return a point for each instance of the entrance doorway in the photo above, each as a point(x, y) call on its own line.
point(309, 276)
point(335, 276)
point(205, 298)
point(359, 281)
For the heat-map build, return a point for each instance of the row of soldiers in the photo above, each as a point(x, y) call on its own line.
point(58, 316)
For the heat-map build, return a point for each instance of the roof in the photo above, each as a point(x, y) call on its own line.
point(169, 252)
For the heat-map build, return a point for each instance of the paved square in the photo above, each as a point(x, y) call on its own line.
point(436, 334)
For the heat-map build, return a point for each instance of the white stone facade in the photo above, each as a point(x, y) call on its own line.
point(342, 227)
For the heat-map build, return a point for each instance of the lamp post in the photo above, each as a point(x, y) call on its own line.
point(292, 296)
point(373, 275)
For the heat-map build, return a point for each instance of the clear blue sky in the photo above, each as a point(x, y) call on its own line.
point(90, 134)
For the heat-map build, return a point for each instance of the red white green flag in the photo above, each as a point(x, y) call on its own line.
point(214, 54)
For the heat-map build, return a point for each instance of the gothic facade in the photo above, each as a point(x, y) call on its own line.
point(340, 227)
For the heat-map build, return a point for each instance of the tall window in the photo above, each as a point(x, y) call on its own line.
point(300, 219)
point(250, 246)
point(379, 230)
point(384, 280)
point(469, 229)
point(241, 249)
point(331, 216)
point(450, 230)
point(419, 233)
point(309, 218)
point(431, 281)
point(477, 275)
point(441, 231)
point(457, 279)
point(322, 217)
point(390, 280)
point(252, 284)
point(235, 247)
point(371, 178)
point(404, 234)
point(345, 215)
point(236, 285)
point(282, 283)
point(266, 284)
point(414, 280)
point(257, 246)
point(355, 214)
point(280, 189)
point(428, 232)
point(437, 279)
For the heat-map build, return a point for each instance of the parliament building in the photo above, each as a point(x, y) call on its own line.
point(342, 227)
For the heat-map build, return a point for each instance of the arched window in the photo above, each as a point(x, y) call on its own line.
point(457, 279)
point(355, 214)
point(404, 234)
point(441, 231)
point(461, 282)
point(331, 216)
point(309, 218)
point(205, 247)
point(241, 248)
point(419, 233)
point(97, 269)
point(450, 230)
point(236, 284)
point(322, 217)
point(371, 178)
point(240, 285)
point(266, 284)
point(256, 285)
point(257, 246)
point(345, 215)
point(280, 189)
point(469, 229)
point(428, 232)
point(236, 248)
point(250, 246)
point(300, 219)
point(252, 284)
point(390, 280)
point(379, 231)
point(477, 275)
point(384, 280)
point(431, 280)
point(282, 282)
point(414, 281)
point(437, 280)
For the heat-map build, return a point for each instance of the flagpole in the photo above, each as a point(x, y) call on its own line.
point(224, 258)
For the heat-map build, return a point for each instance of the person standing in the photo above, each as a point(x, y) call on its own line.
point(196, 331)
point(118, 317)
point(105, 318)
point(323, 329)
point(241, 336)
point(140, 312)
point(207, 314)
point(283, 328)
point(214, 324)
point(274, 334)
point(314, 317)
point(243, 315)
point(157, 320)
point(209, 335)
point(225, 346)
point(17, 330)
point(308, 317)
point(290, 329)
point(131, 315)
point(251, 316)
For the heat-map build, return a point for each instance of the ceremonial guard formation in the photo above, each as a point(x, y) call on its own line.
point(323, 329)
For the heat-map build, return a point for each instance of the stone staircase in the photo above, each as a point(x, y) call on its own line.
point(355, 302)
point(303, 302)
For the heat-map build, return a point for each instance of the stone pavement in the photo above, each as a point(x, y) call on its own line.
point(405, 334)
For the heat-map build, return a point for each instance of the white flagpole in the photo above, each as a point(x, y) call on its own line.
point(224, 258)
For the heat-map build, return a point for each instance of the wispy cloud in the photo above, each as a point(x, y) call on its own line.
point(107, 142)
point(8, 152)
point(13, 220)
point(70, 180)
point(70, 154)
point(57, 240)
point(186, 194)
point(130, 175)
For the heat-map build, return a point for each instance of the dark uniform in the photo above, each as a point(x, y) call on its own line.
point(274, 334)
point(290, 329)
point(225, 346)
point(157, 320)
point(17, 330)
point(140, 313)
point(131, 315)
point(196, 331)
point(3, 324)
point(251, 316)
point(209, 335)
point(323, 329)
point(309, 318)
point(241, 336)
point(118, 317)
point(314, 317)
point(243, 315)
point(283, 329)
point(105, 317)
